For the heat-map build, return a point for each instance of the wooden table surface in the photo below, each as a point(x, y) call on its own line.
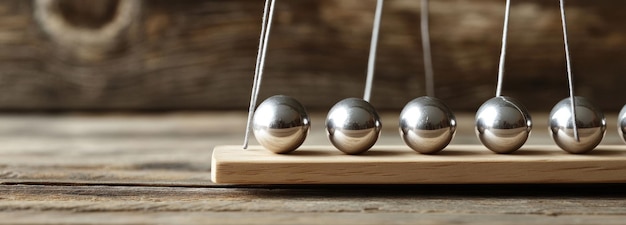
point(154, 169)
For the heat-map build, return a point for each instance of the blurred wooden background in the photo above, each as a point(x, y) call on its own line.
point(192, 54)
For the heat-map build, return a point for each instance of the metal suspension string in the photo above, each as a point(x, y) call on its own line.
point(428, 63)
point(268, 14)
point(372, 55)
point(570, 77)
point(505, 32)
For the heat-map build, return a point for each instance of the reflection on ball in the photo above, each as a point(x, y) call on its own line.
point(280, 124)
point(503, 124)
point(589, 120)
point(353, 126)
point(427, 125)
point(621, 123)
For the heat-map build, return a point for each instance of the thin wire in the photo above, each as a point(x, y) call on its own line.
point(260, 63)
point(372, 57)
point(428, 62)
point(570, 77)
point(505, 32)
point(264, 53)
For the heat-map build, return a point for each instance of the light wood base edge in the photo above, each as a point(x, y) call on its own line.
point(457, 164)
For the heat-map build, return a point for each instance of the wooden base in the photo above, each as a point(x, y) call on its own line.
point(457, 164)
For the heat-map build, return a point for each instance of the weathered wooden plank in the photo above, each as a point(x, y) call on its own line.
point(603, 204)
point(104, 176)
point(154, 169)
point(159, 149)
point(227, 218)
point(200, 54)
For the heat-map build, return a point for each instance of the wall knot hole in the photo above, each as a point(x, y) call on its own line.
point(93, 14)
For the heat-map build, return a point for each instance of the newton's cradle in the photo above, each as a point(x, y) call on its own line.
point(280, 124)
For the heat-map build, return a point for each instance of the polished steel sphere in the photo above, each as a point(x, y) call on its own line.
point(621, 123)
point(280, 124)
point(589, 121)
point(503, 124)
point(427, 125)
point(353, 126)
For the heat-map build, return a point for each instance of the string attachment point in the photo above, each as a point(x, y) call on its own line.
point(498, 116)
point(570, 77)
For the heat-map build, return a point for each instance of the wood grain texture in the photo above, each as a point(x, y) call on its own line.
point(158, 55)
point(313, 205)
point(457, 164)
point(155, 169)
point(160, 149)
point(289, 218)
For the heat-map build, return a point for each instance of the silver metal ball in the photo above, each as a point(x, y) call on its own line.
point(427, 125)
point(503, 124)
point(590, 122)
point(621, 123)
point(280, 124)
point(353, 126)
